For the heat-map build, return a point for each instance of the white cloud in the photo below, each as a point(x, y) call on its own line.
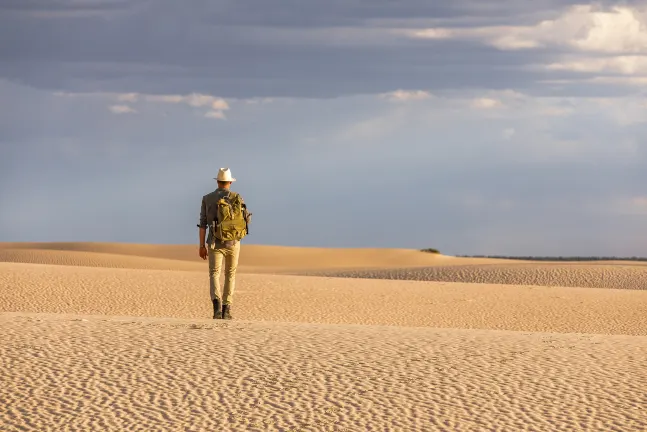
point(121, 109)
point(192, 99)
point(628, 65)
point(508, 133)
point(639, 81)
point(79, 95)
point(581, 27)
point(406, 95)
point(127, 97)
point(196, 100)
point(220, 105)
point(164, 98)
point(215, 115)
point(485, 103)
point(433, 33)
point(619, 31)
point(498, 99)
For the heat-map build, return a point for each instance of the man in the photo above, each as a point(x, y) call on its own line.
point(222, 244)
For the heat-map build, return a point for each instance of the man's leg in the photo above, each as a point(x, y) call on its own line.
point(215, 265)
point(231, 265)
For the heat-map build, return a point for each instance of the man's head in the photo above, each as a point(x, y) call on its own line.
point(224, 178)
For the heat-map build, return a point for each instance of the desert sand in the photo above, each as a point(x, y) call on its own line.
point(118, 337)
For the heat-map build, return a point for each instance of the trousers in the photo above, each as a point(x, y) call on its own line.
point(216, 257)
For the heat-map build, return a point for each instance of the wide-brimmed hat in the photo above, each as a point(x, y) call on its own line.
point(224, 174)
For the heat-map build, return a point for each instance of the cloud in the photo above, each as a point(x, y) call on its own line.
point(508, 133)
point(614, 38)
point(631, 81)
point(66, 9)
point(128, 97)
point(220, 104)
point(406, 95)
point(215, 115)
point(433, 33)
point(215, 104)
point(166, 98)
point(196, 100)
point(121, 109)
point(332, 49)
point(583, 27)
point(626, 65)
point(486, 103)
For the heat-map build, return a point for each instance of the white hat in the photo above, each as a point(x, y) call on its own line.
point(224, 174)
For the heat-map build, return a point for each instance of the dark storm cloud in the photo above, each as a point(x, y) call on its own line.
point(275, 71)
point(308, 13)
point(32, 6)
point(260, 48)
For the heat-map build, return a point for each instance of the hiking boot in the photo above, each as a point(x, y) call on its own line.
point(226, 311)
point(217, 313)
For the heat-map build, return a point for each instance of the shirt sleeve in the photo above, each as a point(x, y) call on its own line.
point(203, 214)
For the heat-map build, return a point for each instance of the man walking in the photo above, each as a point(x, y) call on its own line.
point(225, 214)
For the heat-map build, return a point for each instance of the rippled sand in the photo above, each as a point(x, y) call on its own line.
point(118, 338)
point(617, 276)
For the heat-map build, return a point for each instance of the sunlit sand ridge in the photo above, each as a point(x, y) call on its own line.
point(118, 337)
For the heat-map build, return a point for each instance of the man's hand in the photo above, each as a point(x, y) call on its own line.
point(203, 252)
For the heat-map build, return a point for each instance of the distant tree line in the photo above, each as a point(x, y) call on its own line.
point(547, 258)
point(558, 258)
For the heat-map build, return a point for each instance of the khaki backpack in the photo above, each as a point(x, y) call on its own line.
point(232, 218)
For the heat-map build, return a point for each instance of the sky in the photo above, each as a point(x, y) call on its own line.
point(471, 126)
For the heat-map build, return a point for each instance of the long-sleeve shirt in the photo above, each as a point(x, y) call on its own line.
point(209, 210)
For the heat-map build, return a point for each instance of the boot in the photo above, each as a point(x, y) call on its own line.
point(226, 311)
point(217, 313)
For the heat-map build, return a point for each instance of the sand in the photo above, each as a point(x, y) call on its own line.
point(117, 337)
point(576, 274)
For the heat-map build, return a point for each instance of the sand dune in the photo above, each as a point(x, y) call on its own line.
point(117, 338)
point(253, 259)
point(279, 258)
point(145, 293)
point(97, 259)
point(619, 276)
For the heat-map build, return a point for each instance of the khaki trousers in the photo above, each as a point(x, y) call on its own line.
point(230, 257)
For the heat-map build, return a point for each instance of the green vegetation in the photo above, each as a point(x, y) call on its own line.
point(546, 258)
point(430, 250)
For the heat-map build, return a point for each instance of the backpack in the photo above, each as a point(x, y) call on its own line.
point(232, 218)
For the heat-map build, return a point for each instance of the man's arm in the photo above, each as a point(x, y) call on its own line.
point(203, 234)
point(247, 214)
point(203, 222)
